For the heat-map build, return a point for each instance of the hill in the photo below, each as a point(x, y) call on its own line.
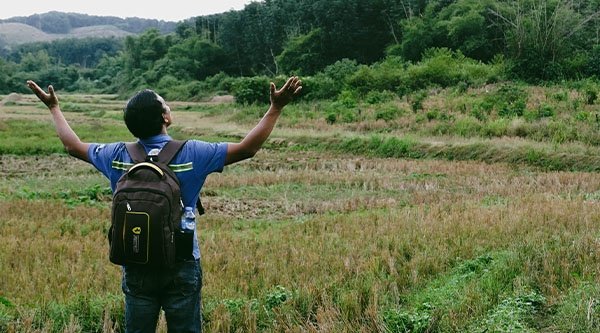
point(18, 33)
point(56, 25)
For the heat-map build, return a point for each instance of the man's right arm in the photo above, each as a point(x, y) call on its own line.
point(74, 146)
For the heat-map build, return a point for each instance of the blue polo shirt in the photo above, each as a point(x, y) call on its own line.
point(195, 161)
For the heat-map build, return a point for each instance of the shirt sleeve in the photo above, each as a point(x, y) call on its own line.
point(208, 157)
point(102, 156)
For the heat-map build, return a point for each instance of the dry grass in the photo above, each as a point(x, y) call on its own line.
point(306, 241)
point(345, 256)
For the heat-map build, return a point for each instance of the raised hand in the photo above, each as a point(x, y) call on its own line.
point(49, 98)
point(291, 89)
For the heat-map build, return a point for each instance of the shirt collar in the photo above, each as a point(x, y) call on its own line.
point(155, 139)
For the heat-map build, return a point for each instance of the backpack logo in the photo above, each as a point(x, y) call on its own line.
point(136, 230)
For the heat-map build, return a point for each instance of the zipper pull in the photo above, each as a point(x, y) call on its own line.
point(128, 207)
point(172, 237)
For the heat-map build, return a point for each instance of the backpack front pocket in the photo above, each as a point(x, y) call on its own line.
point(136, 237)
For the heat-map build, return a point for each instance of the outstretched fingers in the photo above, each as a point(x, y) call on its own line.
point(48, 98)
point(292, 85)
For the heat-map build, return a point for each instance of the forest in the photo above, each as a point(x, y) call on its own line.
point(397, 46)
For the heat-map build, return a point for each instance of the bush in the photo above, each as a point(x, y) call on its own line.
point(251, 90)
point(172, 89)
point(442, 67)
point(344, 109)
point(509, 101)
point(331, 118)
point(378, 97)
point(348, 99)
point(319, 87)
point(341, 70)
point(388, 75)
point(496, 128)
point(219, 82)
point(417, 99)
point(388, 113)
point(467, 127)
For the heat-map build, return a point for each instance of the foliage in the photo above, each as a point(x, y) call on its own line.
point(251, 90)
point(57, 22)
point(301, 55)
point(508, 101)
point(463, 26)
point(381, 45)
point(388, 75)
point(543, 37)
point(445, 68)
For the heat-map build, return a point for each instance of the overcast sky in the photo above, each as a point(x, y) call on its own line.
point(168, 10)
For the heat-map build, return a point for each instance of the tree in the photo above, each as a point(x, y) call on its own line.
point(464, 25)
point(32, 62)
point(195, 58)
point(7, 69)
point(543, 35)
point(303, 54)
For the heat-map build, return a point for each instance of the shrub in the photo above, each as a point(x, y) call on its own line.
point(509, 101)
point(219, 82)
point(377, 97)
point(388, 75)
point(496, 128)
point(545, 111)
point(467, 127)
point(591, 95)
point(343, 110)
point(417, 99)
point(479, 113)
point(341, 70)
point(347, 99)
point(388, 113)
point(331, 118)
point(250, 90)
point(403, 321)
point(442, 67)
point(319, 87)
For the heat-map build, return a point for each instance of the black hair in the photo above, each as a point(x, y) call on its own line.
point(143, 114)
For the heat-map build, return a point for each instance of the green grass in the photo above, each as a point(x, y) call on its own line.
point(33, 137)
point(366, 226)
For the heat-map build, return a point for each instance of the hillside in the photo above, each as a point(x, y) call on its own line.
point(19, 33)
point(56, 25)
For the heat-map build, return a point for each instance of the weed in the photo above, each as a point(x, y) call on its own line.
point(513, 314)
point(417, 100)
point(388, 113)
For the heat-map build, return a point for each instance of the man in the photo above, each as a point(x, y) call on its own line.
point(147, 116)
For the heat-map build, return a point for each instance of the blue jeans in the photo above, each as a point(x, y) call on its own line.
point(176, 291)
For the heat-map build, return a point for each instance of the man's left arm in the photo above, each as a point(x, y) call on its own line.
point(254, 140)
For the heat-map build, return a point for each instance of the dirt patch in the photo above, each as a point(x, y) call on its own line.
point(222, 99)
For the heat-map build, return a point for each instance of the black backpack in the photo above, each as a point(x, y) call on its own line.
point(146, 210)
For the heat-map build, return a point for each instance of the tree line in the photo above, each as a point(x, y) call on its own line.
point(531, 40)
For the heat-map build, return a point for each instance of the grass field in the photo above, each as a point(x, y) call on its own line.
point(368, 225)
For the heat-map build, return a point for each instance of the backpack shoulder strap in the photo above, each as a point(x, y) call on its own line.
point(136, 151)
point(169, 151)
